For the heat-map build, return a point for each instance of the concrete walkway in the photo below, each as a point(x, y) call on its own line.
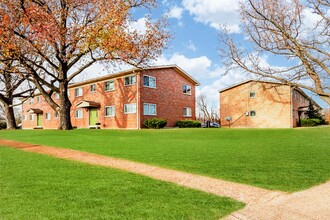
point(261, 203)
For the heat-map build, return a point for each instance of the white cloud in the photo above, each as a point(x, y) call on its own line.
point(215, 13)
point(175, 12)
point(138, 25)
point(196, 67)
point(190, 46)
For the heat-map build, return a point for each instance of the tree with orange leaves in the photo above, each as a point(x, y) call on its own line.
point(56, 40)
point(278, 28)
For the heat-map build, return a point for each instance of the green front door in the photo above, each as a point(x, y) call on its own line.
point(39, 120)
point(93, 116)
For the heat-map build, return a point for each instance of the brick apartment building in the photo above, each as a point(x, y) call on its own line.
point(262, 104)
point(122, 100)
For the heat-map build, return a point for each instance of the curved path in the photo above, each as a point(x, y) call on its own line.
point(261, 203)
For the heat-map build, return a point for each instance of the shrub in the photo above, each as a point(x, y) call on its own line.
point(3, 125)
point(309, 122)
point(188, 124)
point(155, 123)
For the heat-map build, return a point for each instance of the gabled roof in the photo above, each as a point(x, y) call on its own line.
point(248, 81)
point(271, 82)
point(88, 104)
point(134, 70)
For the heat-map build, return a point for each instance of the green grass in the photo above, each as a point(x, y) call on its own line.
point(41, 187)
point(280, 159)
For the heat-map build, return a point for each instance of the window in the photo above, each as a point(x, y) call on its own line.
point(79, 113)
point(110, 111)
point(187, 112)
point(31, 117)
point(253, 113)
point(149, 109)
point(129, 108)
point(31, 100)
point(252, 94)
point(56, 96)
point(24, 117)
point(47, 116)
point(149, 81)
point(130, 80)
point(38, 99)
point(55, 114)
point(78, 92)
point(186, 89)
point(93, 88)
point(109, 85)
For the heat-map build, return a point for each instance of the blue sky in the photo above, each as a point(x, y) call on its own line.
point(195, 25)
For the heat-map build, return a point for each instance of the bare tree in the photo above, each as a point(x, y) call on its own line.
point(277, 27)
point(206, 113)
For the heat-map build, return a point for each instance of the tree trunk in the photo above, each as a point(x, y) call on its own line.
point(65, 108)
point(10, 116)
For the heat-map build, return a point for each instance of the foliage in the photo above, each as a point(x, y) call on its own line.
point(312, 112)
point(155, 123)
point(280, 28)
point(310, 122)
point(40, 187)
point(3, 125)
point(280, 159)
point(188, 124)
point(57, 40)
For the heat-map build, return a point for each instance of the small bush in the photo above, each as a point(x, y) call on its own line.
point(310, 122)
point(156, 123)
point(3, 125)
point(188, 124)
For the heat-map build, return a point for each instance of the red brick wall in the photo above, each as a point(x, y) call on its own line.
point(272, 106)
point(167, 96)
point(52, 123)
point(118, 97)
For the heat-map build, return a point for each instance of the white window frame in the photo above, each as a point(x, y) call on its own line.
point(48, 116)
point(39, 99)
point(56, 95)
point(253, 94)
point(31, 100)
point(55, 114)
point(255, 113)
point(105, 85)
point(150, 77)
point(187, 110)
point(111, 107)
point(78, 92)
point(92, 88)
point(148, 106)
point(130, 80)
point(24, 117)
point(77, 115)
point(131, 107)
point(31, 117)
point(185, 89)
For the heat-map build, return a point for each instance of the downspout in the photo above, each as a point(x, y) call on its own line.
point(291, 107)
point(137, 101)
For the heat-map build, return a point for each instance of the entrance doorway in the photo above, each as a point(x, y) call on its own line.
point(39, 120)
point(93, 117)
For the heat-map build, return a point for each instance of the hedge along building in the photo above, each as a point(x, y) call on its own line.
point(263, 104)
point(122, 100)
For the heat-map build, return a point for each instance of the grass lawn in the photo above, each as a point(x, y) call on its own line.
point(40, 187)
point(280, 159)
